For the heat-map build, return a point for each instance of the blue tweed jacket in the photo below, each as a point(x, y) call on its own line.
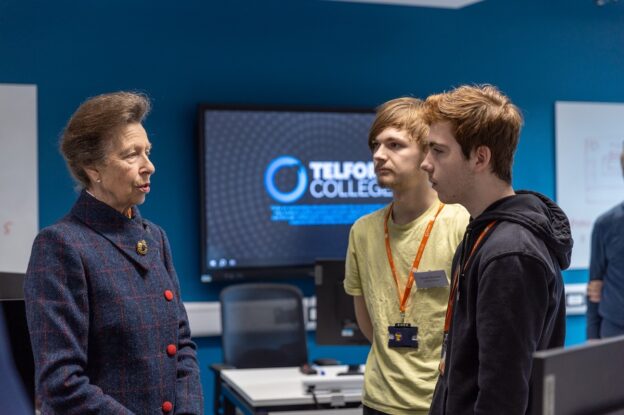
point(109, 332)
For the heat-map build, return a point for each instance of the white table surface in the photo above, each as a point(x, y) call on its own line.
point(284, 386)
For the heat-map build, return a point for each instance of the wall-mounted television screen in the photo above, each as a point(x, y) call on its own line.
point(281, 187)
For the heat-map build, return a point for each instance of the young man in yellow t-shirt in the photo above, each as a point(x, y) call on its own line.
point(398, 267)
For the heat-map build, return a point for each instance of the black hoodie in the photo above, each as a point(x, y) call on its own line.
point(510, 303)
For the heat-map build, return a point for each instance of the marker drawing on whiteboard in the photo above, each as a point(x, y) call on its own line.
point(7, 227)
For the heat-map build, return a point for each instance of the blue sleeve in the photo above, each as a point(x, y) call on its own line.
point(189, 397)
point(597, 267)
point(57, 308)
point(598, 259)
point(593, 321)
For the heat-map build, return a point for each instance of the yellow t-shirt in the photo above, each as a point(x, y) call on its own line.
point(402, 380)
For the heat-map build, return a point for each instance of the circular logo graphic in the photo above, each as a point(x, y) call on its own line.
point(302, 179)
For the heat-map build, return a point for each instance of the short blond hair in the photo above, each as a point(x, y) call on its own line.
point(404, 114)
point(480, 115)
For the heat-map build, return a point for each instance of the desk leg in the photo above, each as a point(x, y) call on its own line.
point(228, 407)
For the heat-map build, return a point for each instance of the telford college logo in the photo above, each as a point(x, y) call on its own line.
point(269, 179)
point(330, 179)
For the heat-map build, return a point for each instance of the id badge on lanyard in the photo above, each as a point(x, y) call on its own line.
point(404, 334)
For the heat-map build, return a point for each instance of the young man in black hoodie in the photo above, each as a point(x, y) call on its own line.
point(507, 298)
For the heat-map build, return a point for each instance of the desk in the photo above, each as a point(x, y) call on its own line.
point(264, 391)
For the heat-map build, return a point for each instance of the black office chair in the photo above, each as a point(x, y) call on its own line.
point(262, 325)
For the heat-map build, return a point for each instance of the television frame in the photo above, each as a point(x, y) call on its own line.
point(240, 273)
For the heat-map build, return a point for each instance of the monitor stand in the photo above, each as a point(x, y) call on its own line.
point(352, 370)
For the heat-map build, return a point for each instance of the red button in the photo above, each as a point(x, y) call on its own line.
point(171, 350)
point(167, 406)
point(169, 295)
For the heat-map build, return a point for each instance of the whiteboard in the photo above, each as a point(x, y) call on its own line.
point(589, 140)
point(19, 201)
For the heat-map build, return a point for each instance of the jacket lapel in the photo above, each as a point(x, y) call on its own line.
point(131, 236)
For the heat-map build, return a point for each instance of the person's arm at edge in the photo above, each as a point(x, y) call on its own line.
point(353, 287)
point(14, 398)
point(597, 265)
point(362, 317)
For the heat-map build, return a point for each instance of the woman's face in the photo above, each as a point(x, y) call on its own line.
point(123, 179)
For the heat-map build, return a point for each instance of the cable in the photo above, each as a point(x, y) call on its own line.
point(311, 390)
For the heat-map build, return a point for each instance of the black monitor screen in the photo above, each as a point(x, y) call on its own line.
point(281, 187)
point(335, 315)
point(581, 380)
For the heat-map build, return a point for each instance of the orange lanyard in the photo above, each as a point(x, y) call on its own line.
point(419, 254)
point(451, 301)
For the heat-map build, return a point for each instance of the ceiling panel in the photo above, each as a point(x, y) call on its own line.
point(445, 4)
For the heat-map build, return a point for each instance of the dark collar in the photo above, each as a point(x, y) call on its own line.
point(123, 232)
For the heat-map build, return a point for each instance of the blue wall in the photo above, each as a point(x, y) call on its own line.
point(305, 52)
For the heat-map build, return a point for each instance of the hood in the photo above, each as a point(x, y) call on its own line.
point(537, 213)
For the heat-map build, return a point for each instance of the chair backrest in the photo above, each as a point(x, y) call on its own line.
point(263, 326)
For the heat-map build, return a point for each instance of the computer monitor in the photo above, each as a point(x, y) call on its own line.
point(12, 304)
point(335, 315)
point(580, 380)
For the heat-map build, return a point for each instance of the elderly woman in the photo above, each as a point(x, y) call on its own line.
point(109, 331)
